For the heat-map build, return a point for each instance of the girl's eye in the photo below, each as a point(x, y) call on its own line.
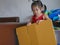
point(33, 10)
point(36, 9)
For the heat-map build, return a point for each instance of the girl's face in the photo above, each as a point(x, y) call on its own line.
point(36, 10)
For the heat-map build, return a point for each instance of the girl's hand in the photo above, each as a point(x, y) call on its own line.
point(39, 21)
point(28, 24)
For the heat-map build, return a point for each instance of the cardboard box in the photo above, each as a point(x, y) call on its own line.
point(37, 34)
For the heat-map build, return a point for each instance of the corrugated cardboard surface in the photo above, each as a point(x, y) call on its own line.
point(37, 34)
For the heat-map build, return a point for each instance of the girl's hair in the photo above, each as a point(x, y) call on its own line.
point(45, 8)
point(39, 4)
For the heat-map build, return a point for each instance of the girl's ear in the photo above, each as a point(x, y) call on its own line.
point(42, 9)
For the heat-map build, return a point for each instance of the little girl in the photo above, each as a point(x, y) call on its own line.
point(38, 12)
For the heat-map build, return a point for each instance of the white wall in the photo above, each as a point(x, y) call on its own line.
point(11, 8)
point(8, 8)
point(22, 9)
point(51, 4)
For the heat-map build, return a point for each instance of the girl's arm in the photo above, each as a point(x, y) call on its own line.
point(46, 17)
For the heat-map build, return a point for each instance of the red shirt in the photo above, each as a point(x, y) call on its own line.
point(39, 18)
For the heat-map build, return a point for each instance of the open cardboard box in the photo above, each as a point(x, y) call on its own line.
point(37, 34)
